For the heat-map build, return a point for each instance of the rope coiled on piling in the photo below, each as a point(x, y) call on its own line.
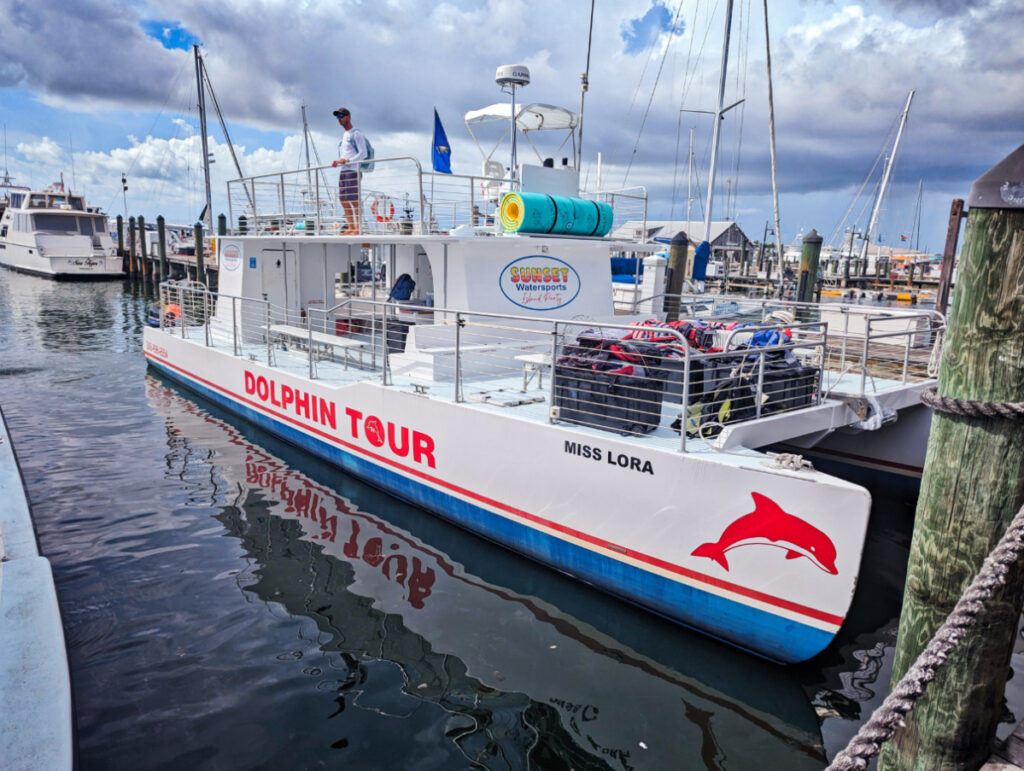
point(889, 715)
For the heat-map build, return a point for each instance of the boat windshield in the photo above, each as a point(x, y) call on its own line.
point(55, 223)
point(58, 200)
point(37, 201)
point(77, 203)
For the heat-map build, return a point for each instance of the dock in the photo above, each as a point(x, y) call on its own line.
point(36, 726)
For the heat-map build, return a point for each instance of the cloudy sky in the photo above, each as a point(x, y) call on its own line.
point(96, 88)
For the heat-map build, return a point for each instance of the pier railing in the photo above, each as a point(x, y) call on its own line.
point(397, 197)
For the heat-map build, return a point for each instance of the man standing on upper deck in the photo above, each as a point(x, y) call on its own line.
point(351, 149)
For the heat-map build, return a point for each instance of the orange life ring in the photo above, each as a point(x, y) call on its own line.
point(382, 216)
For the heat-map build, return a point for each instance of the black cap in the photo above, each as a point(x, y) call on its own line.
point(341, 111)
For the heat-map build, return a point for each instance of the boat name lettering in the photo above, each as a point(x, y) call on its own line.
point(397, 438)
point(303, 404)
point(620, 459)
point(156, 350)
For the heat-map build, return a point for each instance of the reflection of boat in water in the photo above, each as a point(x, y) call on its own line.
point(533, 672)
point(55, 234)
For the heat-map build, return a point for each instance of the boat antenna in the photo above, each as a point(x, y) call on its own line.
point(511, 76)
point(207, 214)
point(71, 152)
point(584, 85)
point(305, 142)
point(885, 181)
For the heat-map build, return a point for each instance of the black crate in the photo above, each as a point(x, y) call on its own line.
point(787, 387)
point(627, 404)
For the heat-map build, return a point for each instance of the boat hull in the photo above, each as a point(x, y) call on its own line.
point(87, 267)
point(649, 525)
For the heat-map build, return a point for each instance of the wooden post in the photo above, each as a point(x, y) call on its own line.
point(161, 245)
point(120, 244)
point(144, 266)
point(956, 213)
point(677, 252)
point(809, 254)
point(200, 265)
point(972, 487)
point(131, 247)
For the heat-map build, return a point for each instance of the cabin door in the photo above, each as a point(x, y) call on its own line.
point(279, 278)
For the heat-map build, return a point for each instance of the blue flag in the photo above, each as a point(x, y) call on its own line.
point(442, 152)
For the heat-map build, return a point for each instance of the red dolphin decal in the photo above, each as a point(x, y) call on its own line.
point(769, 525)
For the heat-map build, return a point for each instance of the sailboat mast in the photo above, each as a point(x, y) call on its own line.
point(208, 220)
point(718, 122)
point(780, 255)
point(885, 181)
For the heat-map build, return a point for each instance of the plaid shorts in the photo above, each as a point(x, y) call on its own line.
point(348, 185)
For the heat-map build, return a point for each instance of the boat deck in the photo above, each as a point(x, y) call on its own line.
point(522, 388)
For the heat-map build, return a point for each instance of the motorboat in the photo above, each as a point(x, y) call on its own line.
point(56, 234)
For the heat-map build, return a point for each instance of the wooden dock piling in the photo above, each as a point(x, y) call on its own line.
point(972, 487)
point(122, 253)
point(132, 266)
point(200, 267)
point(161, 245)
point(809, 254)
point(144, 264)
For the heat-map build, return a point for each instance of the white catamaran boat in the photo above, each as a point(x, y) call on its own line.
point(484, 376)
point(55, 234)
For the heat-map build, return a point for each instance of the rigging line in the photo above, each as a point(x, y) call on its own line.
point(138, 151)
point(654, 89)
point(853, 203)
point(227, 136)
point(687, 82)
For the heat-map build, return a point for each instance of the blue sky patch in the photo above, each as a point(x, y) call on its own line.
point(170, 34)
point(640, 34)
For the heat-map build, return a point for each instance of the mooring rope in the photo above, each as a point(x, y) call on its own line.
point(969, 408)
point(889, 716)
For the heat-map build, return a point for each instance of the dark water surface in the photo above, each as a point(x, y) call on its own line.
point(232, 603)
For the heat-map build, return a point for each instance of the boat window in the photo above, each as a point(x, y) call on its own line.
point(3, 231)
point(100, 223)
point(58, 200)
point(85, 226)
point(55, 223)
point(37, 201)
point(16, 199)
point(77, 203)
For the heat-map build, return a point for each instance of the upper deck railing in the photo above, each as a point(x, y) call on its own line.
point(397, 197)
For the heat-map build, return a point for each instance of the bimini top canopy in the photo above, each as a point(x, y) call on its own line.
point(530, 117)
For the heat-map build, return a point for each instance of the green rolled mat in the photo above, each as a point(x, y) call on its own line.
point(555, 214)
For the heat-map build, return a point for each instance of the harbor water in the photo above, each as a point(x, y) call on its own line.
point(230, 602)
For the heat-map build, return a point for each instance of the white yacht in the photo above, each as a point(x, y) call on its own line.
point(54, 233)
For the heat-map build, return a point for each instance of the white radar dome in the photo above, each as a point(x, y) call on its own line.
point(512, 75)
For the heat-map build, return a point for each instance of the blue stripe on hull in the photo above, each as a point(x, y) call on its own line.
point(759, 631)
